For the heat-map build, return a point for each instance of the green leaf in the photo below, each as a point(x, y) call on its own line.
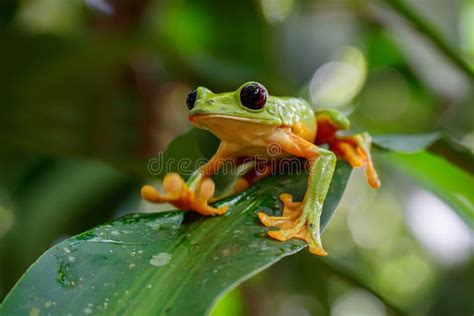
point(166, 263)
point(450, 183)
point(438, 142)
point(192, 147)
point(230, 305)
point(406, 143)
point(40, 215)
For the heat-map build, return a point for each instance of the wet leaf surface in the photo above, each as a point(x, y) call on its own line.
point(170, 263)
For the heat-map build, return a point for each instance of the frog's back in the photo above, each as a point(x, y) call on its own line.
point(296, 113)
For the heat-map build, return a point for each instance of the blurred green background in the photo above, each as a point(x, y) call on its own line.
point(90, 89)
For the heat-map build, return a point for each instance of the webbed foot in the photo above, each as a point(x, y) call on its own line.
point(294, 224)
point(356, 150)
point(178, 194)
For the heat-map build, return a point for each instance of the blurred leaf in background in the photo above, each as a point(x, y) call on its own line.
point(91, 91)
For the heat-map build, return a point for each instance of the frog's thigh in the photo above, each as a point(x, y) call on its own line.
point(293, 144)
point(224, 153)
point(333, 117)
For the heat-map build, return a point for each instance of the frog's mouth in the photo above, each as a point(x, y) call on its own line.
point(200, 120)
point(207, 121)
point(232, 128)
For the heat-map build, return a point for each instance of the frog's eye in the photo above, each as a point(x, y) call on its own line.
point(253, 96)
point(191, 99)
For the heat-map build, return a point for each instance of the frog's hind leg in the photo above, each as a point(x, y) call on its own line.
point(291, 210)
point(301, 220)
point(354, 149)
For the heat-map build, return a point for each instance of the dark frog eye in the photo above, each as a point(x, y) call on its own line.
point(253, 96)
point(191, 99)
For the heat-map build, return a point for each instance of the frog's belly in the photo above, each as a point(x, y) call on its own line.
point(232, 130)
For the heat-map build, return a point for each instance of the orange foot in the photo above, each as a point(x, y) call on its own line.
point(178, 194)
point(293, 225)
point(356, 150)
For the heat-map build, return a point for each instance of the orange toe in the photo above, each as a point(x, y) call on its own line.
point(318, 251)
point(178, 194)
point(264, 218)
point(150, 194)
point(278, 235)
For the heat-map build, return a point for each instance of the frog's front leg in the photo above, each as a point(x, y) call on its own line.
point(196, 193)
point(302, 219)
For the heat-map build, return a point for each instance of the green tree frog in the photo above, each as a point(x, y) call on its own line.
point(248, 121)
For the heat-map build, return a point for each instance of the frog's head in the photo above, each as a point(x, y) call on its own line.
point(250, 103)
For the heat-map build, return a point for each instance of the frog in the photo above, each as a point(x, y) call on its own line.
point(248, 121)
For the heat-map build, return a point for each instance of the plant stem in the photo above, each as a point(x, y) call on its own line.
point(430, 32)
